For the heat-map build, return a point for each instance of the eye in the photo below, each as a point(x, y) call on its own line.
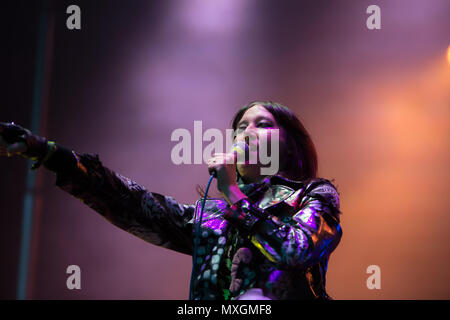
point(241, 127)
point(265, 124)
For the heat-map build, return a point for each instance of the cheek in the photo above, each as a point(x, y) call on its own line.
point(280, 151)
point(249, 137)
point(255, 138)
point(272, 137)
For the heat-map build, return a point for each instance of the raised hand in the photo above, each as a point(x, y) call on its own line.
point(10, 149)
point(15, 139)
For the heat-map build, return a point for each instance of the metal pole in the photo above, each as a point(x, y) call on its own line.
point(29, 197)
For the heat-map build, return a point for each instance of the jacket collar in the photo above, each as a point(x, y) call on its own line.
point(275, 189)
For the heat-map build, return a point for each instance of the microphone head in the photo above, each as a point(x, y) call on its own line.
point(240, 148)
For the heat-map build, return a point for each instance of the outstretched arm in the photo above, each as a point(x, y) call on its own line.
point(155, 218)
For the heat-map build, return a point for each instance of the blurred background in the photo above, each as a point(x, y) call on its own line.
point(376, 102)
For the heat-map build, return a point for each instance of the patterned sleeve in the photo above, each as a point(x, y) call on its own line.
point(157, 219)
point(310, 235)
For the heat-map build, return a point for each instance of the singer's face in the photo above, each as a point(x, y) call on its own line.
point(261, 125)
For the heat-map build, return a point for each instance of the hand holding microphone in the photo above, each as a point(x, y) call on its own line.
point(15, 139)
point(223, 166)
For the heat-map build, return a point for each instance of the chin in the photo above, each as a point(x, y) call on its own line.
point(249, 172)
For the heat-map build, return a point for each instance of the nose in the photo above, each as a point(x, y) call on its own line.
point(249, 135)
point(250, 128)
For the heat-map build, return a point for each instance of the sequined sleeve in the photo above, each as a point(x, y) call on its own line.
point(154, 218)
point(303, 239)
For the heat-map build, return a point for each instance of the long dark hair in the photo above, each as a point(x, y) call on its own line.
point(302, 164)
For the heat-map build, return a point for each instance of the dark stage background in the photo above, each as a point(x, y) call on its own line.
point(376, 102)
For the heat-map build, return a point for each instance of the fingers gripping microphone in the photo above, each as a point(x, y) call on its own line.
point(240, 150)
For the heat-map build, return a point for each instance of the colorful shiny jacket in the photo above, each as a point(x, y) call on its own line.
point(278, 240)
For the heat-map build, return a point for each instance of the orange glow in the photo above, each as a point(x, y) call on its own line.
point(448, 54)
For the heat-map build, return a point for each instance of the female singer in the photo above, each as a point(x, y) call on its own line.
point(269, 237)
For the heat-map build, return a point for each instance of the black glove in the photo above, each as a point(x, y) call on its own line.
point(37, 148)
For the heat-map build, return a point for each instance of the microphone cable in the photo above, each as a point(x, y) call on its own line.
point(197, 236)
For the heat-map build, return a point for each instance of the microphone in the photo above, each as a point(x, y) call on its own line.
point(240, 149)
